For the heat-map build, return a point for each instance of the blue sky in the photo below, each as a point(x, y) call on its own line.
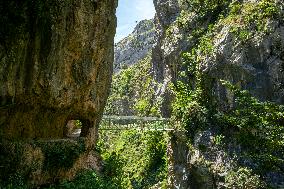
point(130, 11)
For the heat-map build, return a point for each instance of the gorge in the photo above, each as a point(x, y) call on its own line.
point(214, 68)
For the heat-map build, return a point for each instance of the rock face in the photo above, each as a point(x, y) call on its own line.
point(256, 66)
point(55, 65)
point(56, 62)
point(136, 46)
point(163, 59)
point(177, 152)
point(248, 57)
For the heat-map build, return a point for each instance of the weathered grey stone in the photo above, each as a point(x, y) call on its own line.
point(256, 66)
point(167, 11)
point(136, 46)
point(177, 153)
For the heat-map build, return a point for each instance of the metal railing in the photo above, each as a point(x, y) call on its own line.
point(135, 123)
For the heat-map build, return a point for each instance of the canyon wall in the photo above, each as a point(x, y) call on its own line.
point(238, 41)
point(56, 62)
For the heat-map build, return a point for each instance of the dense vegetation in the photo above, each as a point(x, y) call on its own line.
point(135, 159)
point(132, 159)
point(133, 91)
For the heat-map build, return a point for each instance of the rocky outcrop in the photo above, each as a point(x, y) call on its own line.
point(225, 47)
point(256, 65)
point(56, 62)
point(136, 46)
point(205, 165)
point(55, 65)
point(177, 152)
point(163, 59)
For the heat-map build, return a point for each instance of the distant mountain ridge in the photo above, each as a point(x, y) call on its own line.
point(135, 46)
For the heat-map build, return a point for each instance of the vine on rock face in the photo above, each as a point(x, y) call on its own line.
point(261, 129)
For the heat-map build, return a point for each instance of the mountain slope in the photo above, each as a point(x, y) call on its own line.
point(136, 46)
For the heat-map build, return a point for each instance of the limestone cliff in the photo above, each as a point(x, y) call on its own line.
point(163, 59)
point(237, 41)
point(55, 65)
point(255, 65)
point(136, 46)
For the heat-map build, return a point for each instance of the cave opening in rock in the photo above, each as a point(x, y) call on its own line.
point(73, 129)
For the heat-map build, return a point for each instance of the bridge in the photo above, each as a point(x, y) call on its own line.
point(135, 123)
point(121, 123)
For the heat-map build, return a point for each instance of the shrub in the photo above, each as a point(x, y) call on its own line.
point(134, 159)
point(243, 178)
